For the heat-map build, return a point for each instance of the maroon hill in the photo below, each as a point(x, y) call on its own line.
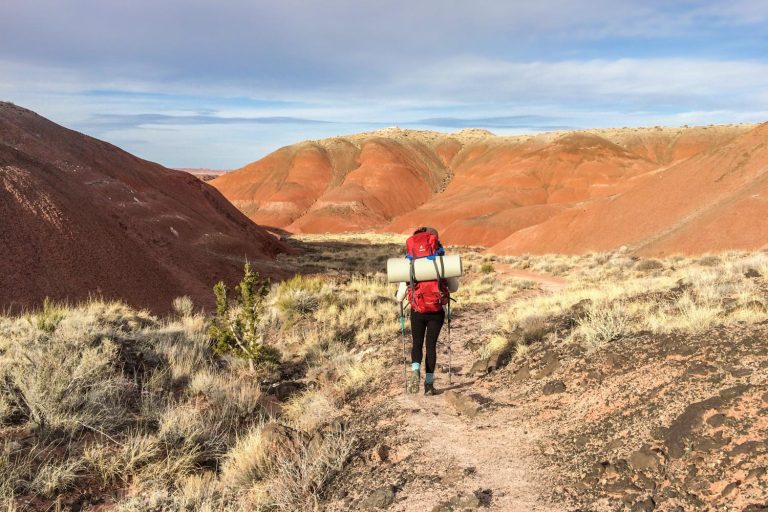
point(80, 217)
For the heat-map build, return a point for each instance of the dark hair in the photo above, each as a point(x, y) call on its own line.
point(424, 229)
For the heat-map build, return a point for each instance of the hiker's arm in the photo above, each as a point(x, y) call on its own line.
point(400, 295)
point(453, 284)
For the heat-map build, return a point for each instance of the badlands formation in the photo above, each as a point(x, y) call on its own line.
point(83, 218)
point(656, 191)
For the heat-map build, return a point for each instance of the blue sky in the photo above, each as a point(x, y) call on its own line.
point(204, 83)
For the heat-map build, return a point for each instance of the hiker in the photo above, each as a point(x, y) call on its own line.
point(428, 300)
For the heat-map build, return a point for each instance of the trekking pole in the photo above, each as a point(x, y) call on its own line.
point(402, 336)
point(450, 352)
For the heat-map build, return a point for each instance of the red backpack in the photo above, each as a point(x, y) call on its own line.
point(426, 296)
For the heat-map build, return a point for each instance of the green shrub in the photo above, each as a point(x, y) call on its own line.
point(487, 268)
point(48, 319)
point(235, 330)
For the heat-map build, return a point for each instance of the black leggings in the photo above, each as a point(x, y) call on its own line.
point(429, 324)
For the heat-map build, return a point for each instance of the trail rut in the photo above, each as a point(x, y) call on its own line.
point(489, 456)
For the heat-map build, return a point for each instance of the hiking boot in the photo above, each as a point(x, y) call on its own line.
point(413, 382)
point(429, 388)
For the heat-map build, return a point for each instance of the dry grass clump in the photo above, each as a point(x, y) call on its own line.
point(248, 461)
point(480, 288)
point(144, 404)
point(119, 399)
point(310, 409)
point(603, 323)
point(604, 302)
point(300, 481)
point(300, 296)
point(106, 396)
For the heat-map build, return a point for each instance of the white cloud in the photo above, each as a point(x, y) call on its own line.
point(659, 82)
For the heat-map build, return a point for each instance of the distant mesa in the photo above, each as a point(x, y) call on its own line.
point(655, 190)
point(80, 217)
point(202, 173)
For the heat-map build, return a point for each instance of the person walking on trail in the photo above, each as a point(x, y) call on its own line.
point(428, 300)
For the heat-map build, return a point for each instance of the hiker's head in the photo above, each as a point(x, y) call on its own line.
point(426, 229)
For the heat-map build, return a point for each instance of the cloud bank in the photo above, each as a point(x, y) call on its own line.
point(218, 84)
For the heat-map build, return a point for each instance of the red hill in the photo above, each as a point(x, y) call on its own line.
point(558, 192)
point(79, 216)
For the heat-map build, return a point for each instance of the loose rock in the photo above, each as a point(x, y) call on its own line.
point(463, 404)
point(554, 387)
point(381, 498)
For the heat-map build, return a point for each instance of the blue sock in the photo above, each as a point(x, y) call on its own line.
point(415, 366)
point(429, 378)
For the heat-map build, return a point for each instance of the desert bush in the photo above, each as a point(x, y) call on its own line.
point(115, 464)
point(235, 330)
point(709, 261)
point(310, 409)
point(203, 493)
point(300, 481)
point(487, 268)
point(53, 477)
point(300, 296)
point(495, 345)
point(687, 314)
point(16, 474)
point(651, 264)
point(249, 460)
point(183, 306)
point(68, 385)
point(363, 370)
point(603, 323)
point(49, 317)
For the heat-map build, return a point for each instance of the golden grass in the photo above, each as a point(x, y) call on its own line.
point(248, 461)
point(143, 404)
point(610, 295)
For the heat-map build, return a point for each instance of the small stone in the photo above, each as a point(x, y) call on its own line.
point(463, 404)
point(716, 420)
point(755, 474)
point(458, 503)
point(751, 273)
point(554, 387)
point(453, 476)
point(747, 447)
point(496, 361)
point(271, 405)
point(480, 366)
point(741, 372)
point(581, 441)
point(733, 392)
point(381, 498)
point(380, 454)
point(647, 505)
point(468, 501)
point(551, 363)
point(284, 390)
point(521, 375)
point(730, 489)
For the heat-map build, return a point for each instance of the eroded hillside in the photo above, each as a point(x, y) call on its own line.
point(80, 217)
point(651, 189)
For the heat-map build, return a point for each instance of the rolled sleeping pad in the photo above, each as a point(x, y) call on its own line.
point(399, 269)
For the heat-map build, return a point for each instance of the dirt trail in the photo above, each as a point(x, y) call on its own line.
point(490, 455)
